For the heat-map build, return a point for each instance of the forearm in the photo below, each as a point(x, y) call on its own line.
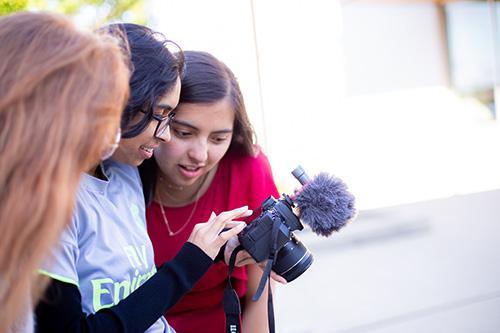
point(61, 309)
point(169, 284)
point(255, 315)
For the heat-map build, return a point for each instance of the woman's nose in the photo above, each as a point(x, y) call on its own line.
point(165, 136)
point(199, 151)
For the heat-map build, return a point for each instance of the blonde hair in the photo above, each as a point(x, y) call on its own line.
point(62, 92)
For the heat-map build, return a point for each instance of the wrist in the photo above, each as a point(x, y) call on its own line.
point(220, 256)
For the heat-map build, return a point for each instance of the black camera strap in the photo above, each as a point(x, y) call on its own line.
point(231, 301)
point(266, 275)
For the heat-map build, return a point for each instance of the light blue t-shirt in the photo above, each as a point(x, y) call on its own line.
point(106, 251)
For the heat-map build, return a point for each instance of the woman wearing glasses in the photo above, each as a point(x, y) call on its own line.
point(103, 277)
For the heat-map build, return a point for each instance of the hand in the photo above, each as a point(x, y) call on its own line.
point(209, 236)
point(244, 258)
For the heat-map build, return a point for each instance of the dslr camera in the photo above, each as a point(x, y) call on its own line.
point(270, 235)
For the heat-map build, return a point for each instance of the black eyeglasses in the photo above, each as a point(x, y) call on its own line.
point(163, 123)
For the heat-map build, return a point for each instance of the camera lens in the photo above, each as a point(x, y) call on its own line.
point(293, 259)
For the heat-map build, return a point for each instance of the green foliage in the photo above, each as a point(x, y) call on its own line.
point(91, 12)
point(10, 6)
point(134, 8)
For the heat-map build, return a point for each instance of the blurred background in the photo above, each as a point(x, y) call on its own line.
point(395, 97)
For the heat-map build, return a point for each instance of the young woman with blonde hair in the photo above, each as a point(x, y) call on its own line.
point(62, 92)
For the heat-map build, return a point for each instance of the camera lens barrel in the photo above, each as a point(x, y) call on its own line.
point(293, 259)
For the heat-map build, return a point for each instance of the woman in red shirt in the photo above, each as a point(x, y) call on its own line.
point(210, 164)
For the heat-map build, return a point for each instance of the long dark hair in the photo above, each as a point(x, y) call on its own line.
point(208, 80)
point(155, 70)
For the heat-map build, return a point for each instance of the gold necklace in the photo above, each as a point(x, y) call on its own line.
point(172, 233)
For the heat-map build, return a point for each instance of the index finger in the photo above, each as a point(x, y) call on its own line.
point(220, 221)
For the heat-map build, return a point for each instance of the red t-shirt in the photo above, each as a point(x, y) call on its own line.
point(239, 181)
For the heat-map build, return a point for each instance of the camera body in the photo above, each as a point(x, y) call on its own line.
point(292, 257)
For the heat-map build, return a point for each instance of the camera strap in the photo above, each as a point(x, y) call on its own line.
point(231, 301)
point(266, 275)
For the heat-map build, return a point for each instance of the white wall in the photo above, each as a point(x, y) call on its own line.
point(471, 45)
point(348, 87)
point(392, 46)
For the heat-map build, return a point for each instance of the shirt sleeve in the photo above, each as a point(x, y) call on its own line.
point(60, 309)
point(61, 264)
